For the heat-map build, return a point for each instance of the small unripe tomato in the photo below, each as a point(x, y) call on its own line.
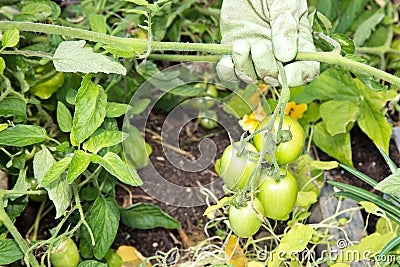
point(34, 186)
point(208, 119)
point(235, 169)
point(245, 221)
point(66, 254)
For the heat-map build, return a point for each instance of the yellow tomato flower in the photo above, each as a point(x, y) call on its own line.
point(250, 122)
point(295, 111)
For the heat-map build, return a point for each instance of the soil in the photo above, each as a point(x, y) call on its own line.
point(366, 158)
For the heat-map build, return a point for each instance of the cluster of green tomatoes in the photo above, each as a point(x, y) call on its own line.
point(273, 193)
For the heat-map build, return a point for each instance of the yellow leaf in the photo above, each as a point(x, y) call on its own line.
point(234, 253)
point(131, 257)
point(222, 202)
point(370, 207)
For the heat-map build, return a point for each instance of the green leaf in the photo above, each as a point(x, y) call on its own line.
point(331, 84)
point(345, 42)
point(92, 263)
point(296, 239)
point(366, 28)
point(328, 8)
point(338, 114)
point(372, 244)
point(79, 163)
point(103, 219)
point(90, 110)
point(390, 185)
point(22, 135)
point(338, 146)
point(98, 23)
point(104, 139)
point(118, 168)
point(147, 216)
point(60, 193)
point(140, 105)
point(64, 117)
point(22, 184)
point(42, 163)
point(114, 110)
point(371, 120)
point(135, 151)
point(2, 66)
point(349, 11)
point(312, 113)
point(10, 38)
point(305, 199)
point(55, 171)
point(72, 56)
point(9, 251)
point(13, 106)
point(139, 2)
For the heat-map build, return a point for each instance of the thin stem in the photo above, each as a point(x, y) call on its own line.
point(333, 58)
point(14, 232)
point(37, 221)
point(81, 213)
point(27, 53)
point(21, 192)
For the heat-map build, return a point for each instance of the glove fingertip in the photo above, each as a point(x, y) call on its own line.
point(226, 69)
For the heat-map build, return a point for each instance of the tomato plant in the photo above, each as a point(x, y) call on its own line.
point(245, 221)
point(286, 151)
point(66, 254)
point(236, 168)
point(278, 197)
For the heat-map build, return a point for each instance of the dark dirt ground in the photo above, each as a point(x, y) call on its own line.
point(366, 158)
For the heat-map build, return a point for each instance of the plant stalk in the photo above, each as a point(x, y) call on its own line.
point(140, 45)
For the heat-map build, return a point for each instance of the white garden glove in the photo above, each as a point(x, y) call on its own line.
point(262, 32)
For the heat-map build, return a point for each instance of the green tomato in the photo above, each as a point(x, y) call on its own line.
point(287, 151)
point(113, 259)
point(46, 87)
point(34, 186)
point(208, 119)
point(278, 198)
point(235, 169)
point(207, 101)
point(65, 255)
point(245, 221)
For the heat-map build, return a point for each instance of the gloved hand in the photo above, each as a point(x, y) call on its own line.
point(262, 32)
